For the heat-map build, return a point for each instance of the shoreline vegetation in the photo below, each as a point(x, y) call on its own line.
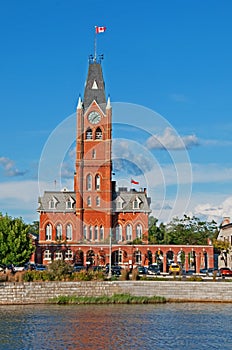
point(114, 299)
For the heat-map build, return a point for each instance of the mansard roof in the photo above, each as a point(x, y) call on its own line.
point(127, 198)
point(94, 87)
point(60, 198)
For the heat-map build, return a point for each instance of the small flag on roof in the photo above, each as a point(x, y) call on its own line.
point(134, 182)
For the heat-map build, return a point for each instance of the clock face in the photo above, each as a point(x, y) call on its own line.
point(94, 117)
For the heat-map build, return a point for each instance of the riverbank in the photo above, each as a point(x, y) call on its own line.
point(172, 291)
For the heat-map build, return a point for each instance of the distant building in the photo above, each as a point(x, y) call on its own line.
point(225, 235)
point(95, 219)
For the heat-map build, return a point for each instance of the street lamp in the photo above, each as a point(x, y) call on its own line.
point(110, 250)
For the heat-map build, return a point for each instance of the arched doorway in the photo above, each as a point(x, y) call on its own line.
point(79, 257)
point(90, 257)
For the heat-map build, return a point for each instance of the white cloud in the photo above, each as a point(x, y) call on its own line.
point(9, 167)
point(170, 140)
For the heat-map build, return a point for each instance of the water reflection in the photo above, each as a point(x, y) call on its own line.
point(169, 326)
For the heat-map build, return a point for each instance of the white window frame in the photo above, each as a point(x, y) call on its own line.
point(48, 232)
point(59, 232)
point(69, 232)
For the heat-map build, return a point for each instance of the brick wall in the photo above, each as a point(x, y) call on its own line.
point(40, 292)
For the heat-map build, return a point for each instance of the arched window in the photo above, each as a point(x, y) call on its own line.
point(138, 257)
point(98, 134)
point(89, 201)
point(85, 232)
point(58, 255)
point(68, 254)
point(139, 231)
point(97, 182)
point(95, 233)
point(98, 201)
point(59, 232)
point(90, 233)
point(89, 182)
point(89, 134)
point(101, 233)
point(47, 255)
point(118, 233)
point(128, 232)
point(48, 232)
point(69, 232)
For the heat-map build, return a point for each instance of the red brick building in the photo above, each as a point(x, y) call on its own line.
point(76, 225)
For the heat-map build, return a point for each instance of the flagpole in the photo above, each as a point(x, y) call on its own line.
point(95, 46)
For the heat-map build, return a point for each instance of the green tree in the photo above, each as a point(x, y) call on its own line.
point(15, 244)
point(156, 233)
point(191, 230)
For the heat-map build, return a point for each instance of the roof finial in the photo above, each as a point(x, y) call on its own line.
point(108, 105)
point(79, 104)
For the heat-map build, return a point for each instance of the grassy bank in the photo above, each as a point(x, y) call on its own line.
point(115, 299)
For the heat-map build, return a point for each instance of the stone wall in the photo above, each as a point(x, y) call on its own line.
point(40, 292)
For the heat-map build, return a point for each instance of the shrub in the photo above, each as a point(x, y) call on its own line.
point(125, 273)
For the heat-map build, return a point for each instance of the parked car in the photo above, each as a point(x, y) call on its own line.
point(115, 270)
point(18, 268)
point(40, 267)
point(187, 273)
point(174, 268)
point(78, 268)
point(225, 271)
point(204, 271)
point(153, 269)
point(141, 270)
point(213, 272)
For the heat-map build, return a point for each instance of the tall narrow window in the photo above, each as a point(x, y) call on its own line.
point(59, 232)
point(97, 182)
point(98, 201)
point(69, 232)
point(89, 182)
point(129, 232)
point(89, 134)
point(101, 233)
point(118, 233)
point(85, 232)
point(89, 201)
point(139, 231)
point(48, 232)
point(94, 154)
point(95, 233)
point(90, 233)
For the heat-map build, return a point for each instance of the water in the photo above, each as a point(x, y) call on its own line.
point(165, 326)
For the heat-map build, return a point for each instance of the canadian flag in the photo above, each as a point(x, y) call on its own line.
point(100, 29)
point(134, 182)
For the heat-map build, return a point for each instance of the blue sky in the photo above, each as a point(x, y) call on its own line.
point(172, 57)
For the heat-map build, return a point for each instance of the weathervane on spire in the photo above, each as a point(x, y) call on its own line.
point(98, 30)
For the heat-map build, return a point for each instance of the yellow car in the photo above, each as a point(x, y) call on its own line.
point(174, 268)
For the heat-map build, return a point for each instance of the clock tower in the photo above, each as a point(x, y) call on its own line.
point(92, 180)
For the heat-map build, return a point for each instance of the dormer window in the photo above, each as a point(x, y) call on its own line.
point(52, 203)
point(89, 134)
point(119, 203)
point(69, 203)
point(136, 203)
point(98, 134)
